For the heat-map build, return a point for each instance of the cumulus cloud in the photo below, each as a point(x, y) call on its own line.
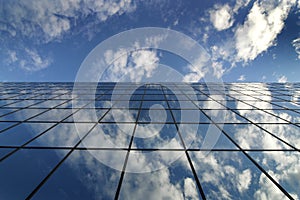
point(264, 22)
point(221, 17)
point(42, 22)
point(244, 180)
point(267, 191)
point(34, 62)
point(218, 69)
point(197, 70)
point(190, 189)
point(296, 45)
point(282, 79)
point(48, 21)
point(133, 66)
point(242, 78)
point(240, 4)
point(162, 184)
point(286, 173)
point(12, 56)
point(30, 60)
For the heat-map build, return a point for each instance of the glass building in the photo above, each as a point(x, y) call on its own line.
point(149, 141)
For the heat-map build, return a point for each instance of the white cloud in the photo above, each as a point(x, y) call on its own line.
point(29, 60)
point(240, 4)
point(190, 189)
point(264, 22)
point(175, 23)
point(286, 173)
point(242, 78)
point(130, 66)
point(244, 180)
point(47, 21)
point(282, 79)
point(221, 17)
point(218, 69)
point(197, 70)
point(155, 185)
point(33, 61)
point(12, 56)
point(296, 45)
point(267, 190)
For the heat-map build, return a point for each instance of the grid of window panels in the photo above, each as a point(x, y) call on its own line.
point(140, 143)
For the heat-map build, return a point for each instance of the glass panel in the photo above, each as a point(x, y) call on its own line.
point(68, 104)
point(258, 116)
point(86, 115)
point(210, 105)
point(25, 103)
point(189, 116)
point(287, 132)
point(177, 97)
point(288, 105)
point(154, 105)
point(53, 115)
point(204, 136)
point(182, 105)
point(237, 105)
point(48, 104)
point(24, 170)
point(134, 97)
point(5, 125)
point(156, 136)
point(20, 134)
point(4, 102)
point(4, 152)
point(103, 104)
point(22, 115)
point(284, 167)
point(227, 175)
point(4, 111)
point(62, 135)
point(109, 136)
point(82, 176)
point(288, 115)
point(120, 115)
point(126, 104)
point(155, 116)
point(249, 136)
point(224, 116)
point(173, 181)
point(156, 97)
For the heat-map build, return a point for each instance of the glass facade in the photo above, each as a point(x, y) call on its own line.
point(150, 141)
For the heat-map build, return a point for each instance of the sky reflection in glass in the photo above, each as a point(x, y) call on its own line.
point(153, 143)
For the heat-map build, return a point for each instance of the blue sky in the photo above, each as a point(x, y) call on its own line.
point(247, 40)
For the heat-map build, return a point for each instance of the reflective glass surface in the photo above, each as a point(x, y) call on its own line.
point(149, 141)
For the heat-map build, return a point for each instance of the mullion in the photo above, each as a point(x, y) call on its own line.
point(256, 124)
point(250, 158)
point(198, 86)
point(23, 108)
point(128, 151)
point(12, 152)
point(256, 108)
point(19, 122)
point(18, 100)
point(144, 149)
point(186, 153)
point(60, 163)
